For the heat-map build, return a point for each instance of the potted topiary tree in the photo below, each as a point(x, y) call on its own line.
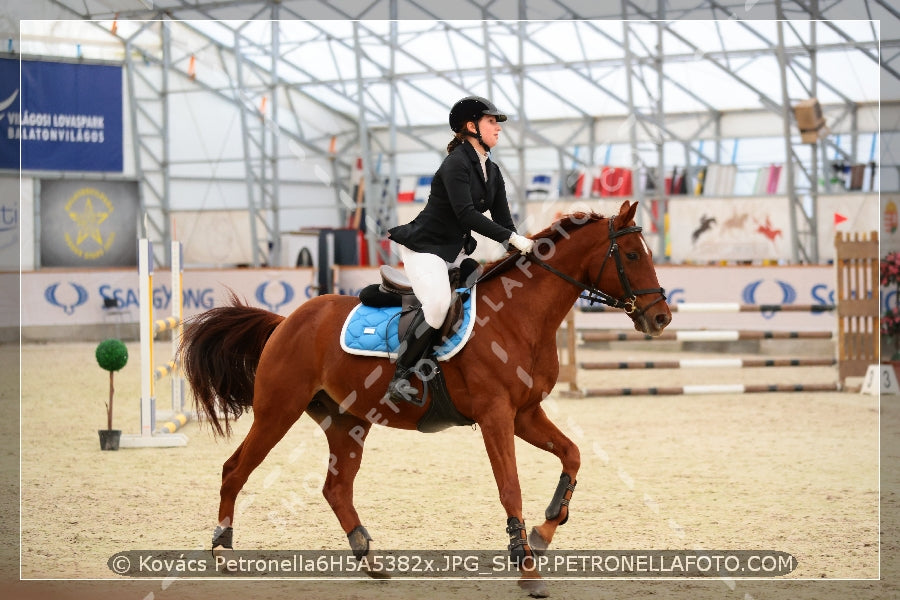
point(111, 356)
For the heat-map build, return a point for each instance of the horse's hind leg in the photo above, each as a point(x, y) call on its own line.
point(535, 427)
point(346, 436)
point(267, 430)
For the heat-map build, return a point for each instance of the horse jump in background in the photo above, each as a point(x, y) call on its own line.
point(237, 357)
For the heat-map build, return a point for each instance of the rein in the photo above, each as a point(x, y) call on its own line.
point(590, 292)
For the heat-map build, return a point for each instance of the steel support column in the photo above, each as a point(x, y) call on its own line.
point(662, 204)
point(793, 203)
point(148, 89)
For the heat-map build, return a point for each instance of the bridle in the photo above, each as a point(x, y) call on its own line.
point(593, 294)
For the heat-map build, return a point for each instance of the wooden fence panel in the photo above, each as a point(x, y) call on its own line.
point(857, 279)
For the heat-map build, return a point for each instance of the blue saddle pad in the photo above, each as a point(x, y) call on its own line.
point(370, 331)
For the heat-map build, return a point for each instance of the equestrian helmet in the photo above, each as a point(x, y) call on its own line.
point(472, 108)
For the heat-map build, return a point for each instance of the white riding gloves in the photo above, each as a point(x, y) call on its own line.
point(521, 243)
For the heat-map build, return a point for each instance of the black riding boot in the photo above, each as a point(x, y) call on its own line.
point(415, 345)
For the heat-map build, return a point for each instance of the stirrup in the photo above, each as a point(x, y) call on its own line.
point(401, 390)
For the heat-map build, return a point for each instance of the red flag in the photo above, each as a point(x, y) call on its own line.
point(839, 218)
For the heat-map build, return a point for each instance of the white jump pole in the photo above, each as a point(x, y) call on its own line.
point(147, 438)
point(145, 291)
point(177, 304)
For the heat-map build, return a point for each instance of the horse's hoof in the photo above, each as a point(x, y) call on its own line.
point(223, 555)
point(377, 574)
point(369, 569)
point(536, 588)
point(538, 544)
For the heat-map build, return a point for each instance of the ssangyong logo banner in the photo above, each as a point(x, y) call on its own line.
point(78, 297)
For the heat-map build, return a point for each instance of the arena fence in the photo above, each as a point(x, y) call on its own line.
point(856, 313)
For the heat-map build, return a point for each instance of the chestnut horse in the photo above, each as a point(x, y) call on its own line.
point(237, 357)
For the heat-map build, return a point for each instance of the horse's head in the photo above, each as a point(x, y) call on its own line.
point(623, 268)
point(606, 259)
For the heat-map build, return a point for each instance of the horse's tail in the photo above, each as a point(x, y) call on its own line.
point(219, 353)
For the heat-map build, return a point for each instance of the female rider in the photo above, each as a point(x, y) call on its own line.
point(466, 185)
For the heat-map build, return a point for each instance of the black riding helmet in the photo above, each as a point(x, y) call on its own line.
point(472, 108)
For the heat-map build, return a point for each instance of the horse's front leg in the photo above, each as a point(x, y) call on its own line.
point(499, 441)
point(346, 436)
point(533, 426)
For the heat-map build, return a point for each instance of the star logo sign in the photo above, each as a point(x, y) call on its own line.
point(89, 208)
point(88, 221)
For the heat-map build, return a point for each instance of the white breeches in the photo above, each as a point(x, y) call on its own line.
point(428, 275)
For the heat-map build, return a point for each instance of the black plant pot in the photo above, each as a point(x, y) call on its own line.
point(109, 438)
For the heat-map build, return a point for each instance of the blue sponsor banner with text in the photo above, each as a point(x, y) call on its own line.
point(68, 117)
point(9, 113)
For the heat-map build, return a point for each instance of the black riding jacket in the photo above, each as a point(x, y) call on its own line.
point(459, 196)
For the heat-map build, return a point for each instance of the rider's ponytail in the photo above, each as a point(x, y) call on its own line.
point(456, 141)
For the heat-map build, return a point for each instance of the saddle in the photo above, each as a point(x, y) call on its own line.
point(395, 289)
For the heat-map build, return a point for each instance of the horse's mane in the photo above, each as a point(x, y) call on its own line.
point(553, 233)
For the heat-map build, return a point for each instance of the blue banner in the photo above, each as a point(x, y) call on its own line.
point(9, 113)
point(67, 116)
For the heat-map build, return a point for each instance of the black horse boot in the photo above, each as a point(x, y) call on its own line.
point(415, 345)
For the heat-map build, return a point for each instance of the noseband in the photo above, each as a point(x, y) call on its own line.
point(593, 294)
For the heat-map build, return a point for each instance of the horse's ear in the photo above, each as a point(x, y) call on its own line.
point(626, 213)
